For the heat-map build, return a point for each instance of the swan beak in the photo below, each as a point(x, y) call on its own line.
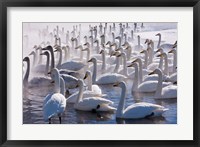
point(95, 41)
point(142, 51)
point(90, 60)
point(130, 65)
point(101, 52)
point(26, 59)
point(42, 54)
point(170, 51)
point(49, 73)
point(56, 50)
point(159, 55)
point(157, 34)
point(85, 76)
point(151, 73)
point(146, 41)
point(175, 83)
point(158, 51)
point(134, 61)
point(107, 43)
point(52, 81)
point(115, 85)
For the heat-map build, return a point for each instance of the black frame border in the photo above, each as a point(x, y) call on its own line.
point(97, 3)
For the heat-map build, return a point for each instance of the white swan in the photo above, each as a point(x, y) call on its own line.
point(92, 103)
point(109, 78)
point(92, 87)
point(55, 102)
point(35, 81)
point(166, 92)
point(69, 65)
point(165, 46)
point(147, 86)
point(137, 110)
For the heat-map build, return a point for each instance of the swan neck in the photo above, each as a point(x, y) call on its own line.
point(62, 86)
point(104, 62)
point(175, 62)
point(120, 108)
point(47, 65)
point(145, 60)
point(80, 94)
point(166, 70)
point(140, 71)
point(25, 81)
point(89, 82)
point(57, 83)
point(117, 65)
point(60, 58)
point(94, 74)
point(135, 81)
point(125, 71)
point(159, 85)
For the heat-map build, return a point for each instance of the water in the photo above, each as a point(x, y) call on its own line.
point(33, 113)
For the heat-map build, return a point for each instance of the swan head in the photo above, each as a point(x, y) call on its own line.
point(162, 55)
point(102, 36)
point(49, 47)
point(86, 44)
point(92, 60)
point(108, 43)
point(102, 51)
point(96, 41)
point(80, 46)
point(146, 41)
point(143, 51)
point(118, 37)
point(32, 53)
point(26, 59)
point(172, 51)
point(85, 49)
point(159, 50)
point(134, 64)
point(120, 84)
point(156, 71)
point(87, 74)
point(45, 53)
point(158, 34)
point(138, 36)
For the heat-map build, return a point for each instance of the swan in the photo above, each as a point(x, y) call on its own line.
point(55, 102)
point(35, 81)
point(165, 46)
point(92, 87)
point(145, 87)
point(138, 47)
point(69, 65)
point(108, 78)
point(174, 52)
point(137, 110)
point(92, 103)
point(169, 91)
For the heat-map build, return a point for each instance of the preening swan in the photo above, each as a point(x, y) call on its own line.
point(55, 102)
point(166, 92)
point(137, 110)
point(92, 103)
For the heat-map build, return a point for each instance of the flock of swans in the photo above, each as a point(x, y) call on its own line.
point(76, 65)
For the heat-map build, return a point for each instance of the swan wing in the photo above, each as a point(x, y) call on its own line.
point(169, 91)
point(110, 78)
point(141, 110)
point(54, 104)
point(88, 104)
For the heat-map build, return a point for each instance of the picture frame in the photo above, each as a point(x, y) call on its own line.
point(195, 4)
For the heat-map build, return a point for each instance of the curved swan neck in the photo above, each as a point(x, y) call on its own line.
point(40, 57)
point(161, 63)
point(150, 55)
point(25, 81)
point(120, 108)
point(159, 85)
point(145, 59)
